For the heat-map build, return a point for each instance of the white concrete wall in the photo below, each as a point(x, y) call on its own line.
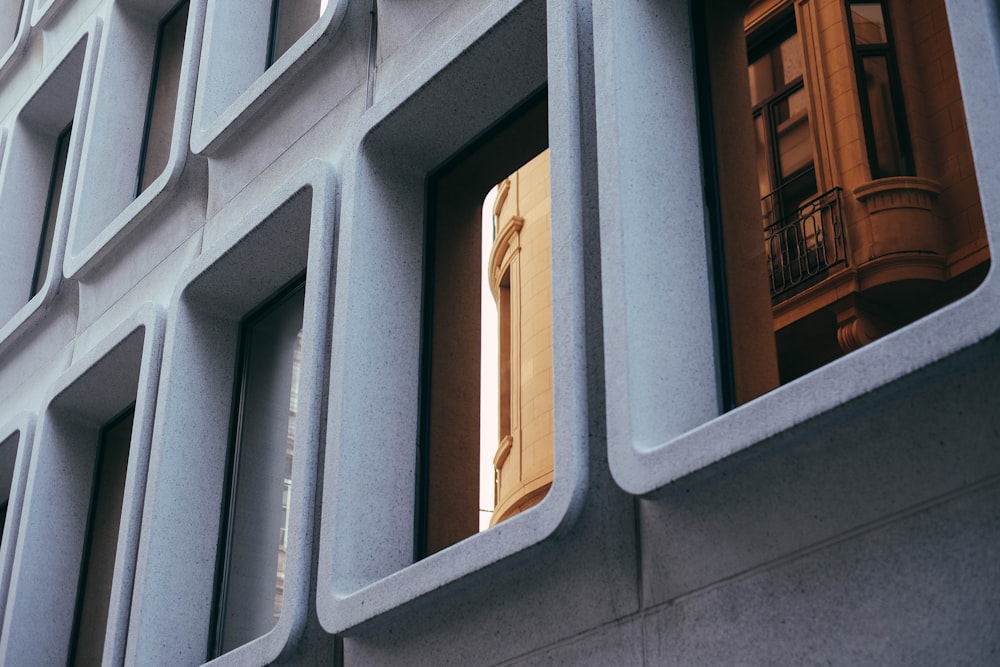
point(846, 518)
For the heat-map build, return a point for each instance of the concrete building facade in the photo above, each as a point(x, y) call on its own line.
point(209, 208)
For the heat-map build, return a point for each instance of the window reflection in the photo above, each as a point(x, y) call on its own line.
point(255, 528)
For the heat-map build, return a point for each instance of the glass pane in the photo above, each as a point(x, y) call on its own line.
point(291, 20)
point(254, 579)
point(868, 22)
point(51, 210)
point(102, 541)
point(775, 69)
point(763, 163)
point(166, 80)
point(794, 143)
point(888, 156)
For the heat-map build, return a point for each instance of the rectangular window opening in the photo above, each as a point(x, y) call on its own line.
point(821, 249)
point(101, 546)
point(163, 92)
point(253, 544)
point(289, 20)
point(486, 401)
point(51, 210)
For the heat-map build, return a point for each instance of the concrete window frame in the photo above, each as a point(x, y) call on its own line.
point(367, 566)
point(231, 89)
point(116, 124)
point(294, 226)
point(16, 440)
point(122, 369)
point(43, 12)
point(16, 15)
point(61, 96)
point(666, 423)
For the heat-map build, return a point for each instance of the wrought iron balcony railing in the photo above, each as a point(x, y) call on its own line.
point(804, 243)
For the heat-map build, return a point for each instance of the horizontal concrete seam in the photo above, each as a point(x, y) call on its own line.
point(845, 536)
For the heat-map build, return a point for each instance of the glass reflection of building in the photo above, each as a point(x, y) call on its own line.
point(519, 271)
point(861, 169)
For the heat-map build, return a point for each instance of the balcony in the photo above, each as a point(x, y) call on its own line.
point(804, 244)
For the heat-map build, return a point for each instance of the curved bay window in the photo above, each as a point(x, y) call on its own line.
point(826, 238)
point(879, 90)
point(253, 535)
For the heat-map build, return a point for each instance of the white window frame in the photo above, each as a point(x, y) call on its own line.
point(293, 226)
point(664, 422)
point(122, 369)
point(111, 211)
point(25, 175)
point(366, 561)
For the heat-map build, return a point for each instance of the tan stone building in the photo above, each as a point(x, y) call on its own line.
point(520, 274)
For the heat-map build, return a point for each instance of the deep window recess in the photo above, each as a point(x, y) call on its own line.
point(97, 570)
point(448, 502)
point(289, 20)
point(879, 90)
point(253, 540)
point(814, 257)
point(163, 91)
point(8, 31)
point(8, 454)
point(51, 209)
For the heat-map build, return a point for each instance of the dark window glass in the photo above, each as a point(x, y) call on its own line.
point(51, 210)
point(880, 91)
point(163, 96)
point(781, 119)
point(250, 584)
point(94, 591)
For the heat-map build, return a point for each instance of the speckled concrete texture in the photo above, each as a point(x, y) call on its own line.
point(120, 371)
point(847, 518)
